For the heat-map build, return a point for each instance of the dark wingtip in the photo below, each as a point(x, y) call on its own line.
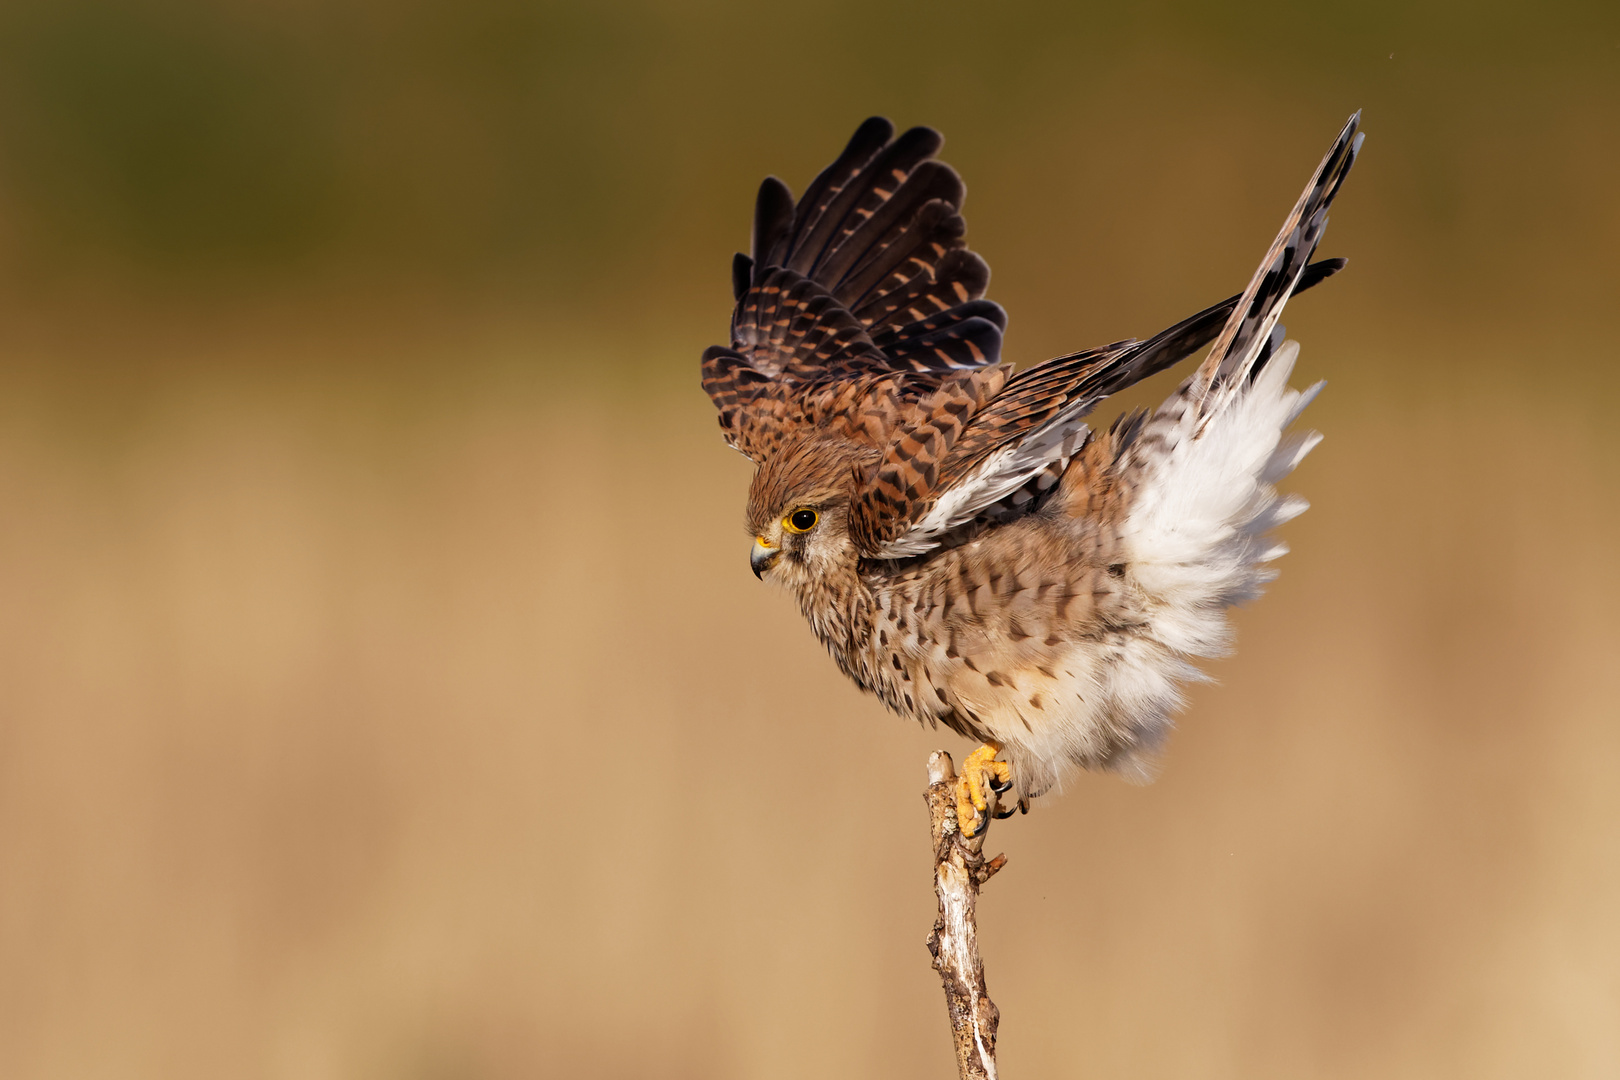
point(773, 220)
point(874, 129)
point(925, 142)
point(742, 272)
point(873, 135)
point(1318, 272)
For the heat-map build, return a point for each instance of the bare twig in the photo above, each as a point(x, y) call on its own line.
point(959, 870)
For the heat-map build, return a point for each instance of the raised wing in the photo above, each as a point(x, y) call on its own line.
point(864, 284)
point(1017, 444)
point(860, 314)
point(1245, 342)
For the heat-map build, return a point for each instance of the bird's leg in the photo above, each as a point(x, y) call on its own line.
point(981, 776)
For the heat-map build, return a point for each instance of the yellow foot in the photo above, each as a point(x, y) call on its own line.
point(981, 775)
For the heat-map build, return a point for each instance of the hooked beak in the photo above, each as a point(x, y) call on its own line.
point(763, 557)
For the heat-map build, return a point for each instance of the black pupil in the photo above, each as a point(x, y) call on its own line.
point(803, 520)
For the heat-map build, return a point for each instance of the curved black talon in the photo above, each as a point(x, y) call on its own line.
point(1007, 813)
point(1002, 787)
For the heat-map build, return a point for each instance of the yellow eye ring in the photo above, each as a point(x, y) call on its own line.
point(801, 520)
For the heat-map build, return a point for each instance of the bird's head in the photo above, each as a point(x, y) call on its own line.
point(798, 513)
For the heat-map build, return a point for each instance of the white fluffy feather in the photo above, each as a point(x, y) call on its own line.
point(1196, 539)
point(1197, 529)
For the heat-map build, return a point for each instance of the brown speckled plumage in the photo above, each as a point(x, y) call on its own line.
point(971, 552)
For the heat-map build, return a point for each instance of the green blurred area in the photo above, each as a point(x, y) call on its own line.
point(598, 160)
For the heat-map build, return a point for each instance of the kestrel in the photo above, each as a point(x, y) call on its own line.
point(962, 542)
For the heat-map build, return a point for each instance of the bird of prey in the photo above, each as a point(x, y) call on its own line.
point(962, 542)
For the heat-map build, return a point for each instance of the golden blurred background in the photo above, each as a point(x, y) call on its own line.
point(383, 689)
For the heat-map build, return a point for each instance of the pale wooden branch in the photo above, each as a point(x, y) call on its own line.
point(959, 870)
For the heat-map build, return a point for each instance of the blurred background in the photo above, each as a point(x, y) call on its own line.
point(383, 689)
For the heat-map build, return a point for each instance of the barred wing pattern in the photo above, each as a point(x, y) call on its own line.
point(860, 316)
point(860, 299)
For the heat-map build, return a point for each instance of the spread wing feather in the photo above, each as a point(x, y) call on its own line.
point(866, 276)
point(860, 315)
point(821, 231)
point(1245, 342)
point(917, 293)
point(789, 324)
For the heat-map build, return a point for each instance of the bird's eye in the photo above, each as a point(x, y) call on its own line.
point(801, 521)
